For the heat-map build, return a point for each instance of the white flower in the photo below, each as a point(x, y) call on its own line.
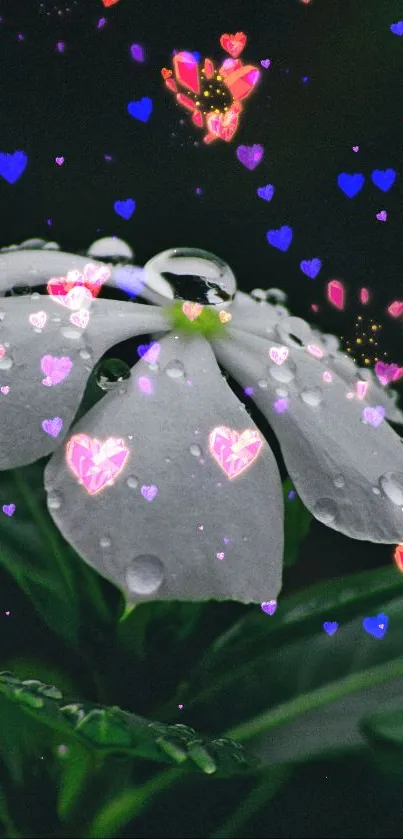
point(166, 486)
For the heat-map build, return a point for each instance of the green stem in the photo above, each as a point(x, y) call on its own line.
point(261, 794)
point(47, 533)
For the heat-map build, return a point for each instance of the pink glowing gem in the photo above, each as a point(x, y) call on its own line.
point(5, 389)
point(94, 463)
point(361, 389)
point(314, 350)
point(396, 308)
point(145, 384)
point(335, 293)
point(327, 377)
point(234, 451)
point(187, 71)
point(364, 295)
point(220, 555)
point(280, 406)
point(314, 307)
point(350, 395)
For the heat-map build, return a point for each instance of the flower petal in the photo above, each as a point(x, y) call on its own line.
point(25, 403)
point(249, 316)
point(173, 525)
point(335, 460)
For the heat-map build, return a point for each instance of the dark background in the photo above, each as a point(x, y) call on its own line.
point(74, 104)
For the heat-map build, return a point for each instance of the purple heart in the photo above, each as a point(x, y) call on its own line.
point(266, 63)
point(383, 178)
point(281, 238)
point(330, 627)
point(266, 192)
point(250, 156)
point(311, 267)
point(382, 216)
point(137, 52)
point(269, 606)
point(9, 509)
point(386, 372)
point(397, 28)
point(125, 208)
point(374, 416)
point(12, 165)
point(377, 626)
point(149, 492)
point(350, 184)
point(141, 109)
point(56, 369)
point(53, 426)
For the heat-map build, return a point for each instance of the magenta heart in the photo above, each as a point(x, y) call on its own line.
point(53, 426)
point(382, 216)
point(55, 369)
point(250, 156)
point(234, 451)
point(269, 607)
point(59, 161)
point(374, 416)
point(96, 464)
point(149, 492)
point(9, 509)
point(387, 373)
point(266, 63)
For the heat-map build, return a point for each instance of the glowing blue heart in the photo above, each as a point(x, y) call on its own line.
point(266, 192)
point(129, 279)
point(383, 178)
point(125, 208)
point(351, 185)
point(311, 267)
point(12, 165)
point(330, 627)
point(376, 626)
point(281, 238)
point(397, 28)
point(141, 109)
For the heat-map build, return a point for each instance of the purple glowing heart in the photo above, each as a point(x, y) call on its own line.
point(269, 606)
point(374, 416)
point(12, 165)
point(9, 509)
point(125, 209)
point(377, 626)
point(250, 156)
point(149, 492)
point(53, 426)
point(266, 192)
point(351, 185)
point(280, 239)
point(266, 63)
point(311, 267)
point(330, 627)
point(383, 178)
point(141, 109)
point(137, 52)
point(55, 368)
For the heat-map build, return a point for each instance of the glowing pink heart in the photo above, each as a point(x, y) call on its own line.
point(396, 308)
point(38, 319)
point(374, 416)
point(192, 310)
point(59, 161)
point(278, 354)
point(77, 298)
point(96, 464)
point(234, 451)
point(314, 350)
point(5, 389)
point(55, 369)
point(387, 373)
point(145, 384)
point(2, 351)
point(149, 492)
point(9, 509)
point(80, 318)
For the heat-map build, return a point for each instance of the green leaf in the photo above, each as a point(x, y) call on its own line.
point(297, 521)
point(107, 731)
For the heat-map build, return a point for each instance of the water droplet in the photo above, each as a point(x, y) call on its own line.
point(55, 500)
point(276, 295)
point(282, 391)
point(105, 542)
point(283, 372)
point(6, 362)
point(391, 484)
point(85, 354)
point(35, 295)
point(51, 692)
point(259, 295)
point(145, 574)
point(201, 758)
point(132, 482)
point(195, 450)
point(70, 333)
point(281, 311)
point(74, 712)
point(175, 370)
point(376, 490)
point(294, 332)
point(339, 481)
point(28, 698)
point(325, 510)
point(262, 383)
point(112, 249)
point(312, 396)
point(111, 373)
point(189, 274)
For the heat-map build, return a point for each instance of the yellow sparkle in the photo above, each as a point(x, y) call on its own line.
point(219, 78)
point(359, 341)
point(367, 361)
point(206, 93)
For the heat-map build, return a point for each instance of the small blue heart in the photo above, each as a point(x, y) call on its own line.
point(141, 109)
point(12, 165)
point(281, 238)
point(383, 178)
point(330, 627)
point(350, 184)
point(376, 626)
point(397, 28)
point(142, 349)
point(266, 192)
point(125, 208)
point(311, 267)
point(129, 279)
